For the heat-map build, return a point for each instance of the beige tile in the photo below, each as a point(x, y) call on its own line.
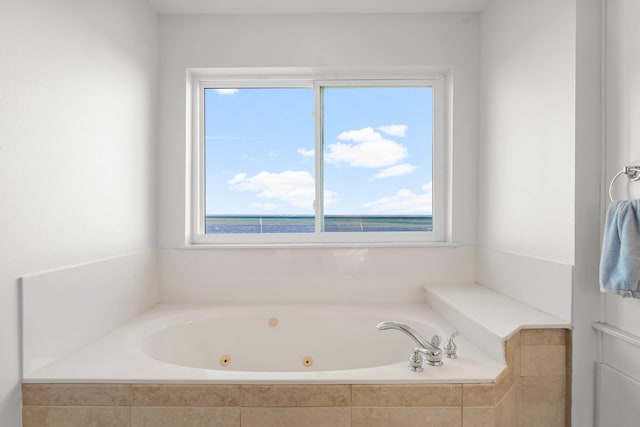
point(407, 395)
point(478, 394)
point(504, 383)
point(295, 417)
point(514, 340)
point(76, 394)
point(76, 416)
point(406, 417)
point(544, 336)
point(295, 395)
point(542, 401)
point(478, 417)
point(185, 395)
point(185, 417)
point(543, 360)
point(507, 410)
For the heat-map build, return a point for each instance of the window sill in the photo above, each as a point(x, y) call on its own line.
point(317, 245)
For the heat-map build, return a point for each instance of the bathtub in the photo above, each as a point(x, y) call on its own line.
point(269, 344)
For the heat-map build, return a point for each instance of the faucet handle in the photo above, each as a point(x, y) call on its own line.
point(450, 347)
point(415, 361)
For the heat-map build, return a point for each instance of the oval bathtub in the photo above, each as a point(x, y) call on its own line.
point(283, 339)
point(270, 344)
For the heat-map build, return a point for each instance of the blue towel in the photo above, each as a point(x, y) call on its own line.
point(620, 259)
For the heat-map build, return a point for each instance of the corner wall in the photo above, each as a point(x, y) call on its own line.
point(77, 146)
point(526, 164)
point(540, 180)
point(527, 128)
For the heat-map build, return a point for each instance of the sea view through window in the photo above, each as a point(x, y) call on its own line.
point(352, 157)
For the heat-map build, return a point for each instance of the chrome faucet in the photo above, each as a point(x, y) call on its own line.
point(430, 350)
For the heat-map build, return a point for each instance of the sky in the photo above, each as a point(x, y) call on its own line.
point(259, 151)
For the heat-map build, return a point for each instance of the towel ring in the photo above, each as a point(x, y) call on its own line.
point(632, 172)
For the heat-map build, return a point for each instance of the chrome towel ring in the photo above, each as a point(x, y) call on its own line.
point(632, 172)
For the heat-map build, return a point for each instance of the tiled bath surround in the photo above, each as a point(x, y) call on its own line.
point(532, 391)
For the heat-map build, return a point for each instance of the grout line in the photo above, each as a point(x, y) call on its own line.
point(515, 383)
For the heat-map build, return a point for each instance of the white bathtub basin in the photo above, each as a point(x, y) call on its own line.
point(237, 344)
point(285, 339)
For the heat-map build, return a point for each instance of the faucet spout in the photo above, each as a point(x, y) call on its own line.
point(422, 343)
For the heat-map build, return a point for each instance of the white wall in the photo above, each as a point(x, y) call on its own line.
point(622, 143)
point(448, 40)
point(540, 161)
point(539, 283)
point(588, 197)
point(77, 146)
point(324, 41)
point(67, 308)
point(527, 128)
point(310, 275)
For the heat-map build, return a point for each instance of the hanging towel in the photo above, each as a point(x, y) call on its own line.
point(620, 259)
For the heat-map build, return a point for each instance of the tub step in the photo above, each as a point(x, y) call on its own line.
point(485, 316)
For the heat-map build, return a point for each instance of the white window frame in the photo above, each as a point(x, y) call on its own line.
point(196, 206)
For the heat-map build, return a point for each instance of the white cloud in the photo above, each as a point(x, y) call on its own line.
point(227, 91)
point(296, 188)
point(397, 170)
point(360, 135)
point(237, 179)
point(293, 187)
point(305, 153)
point(404, 202)
point(394, 130)
point(370, 149)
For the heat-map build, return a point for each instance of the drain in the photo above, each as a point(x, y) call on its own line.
point(225, 360)
point(307, 361)
point(273, 322)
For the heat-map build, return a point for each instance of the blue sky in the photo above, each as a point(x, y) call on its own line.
point(260, 151)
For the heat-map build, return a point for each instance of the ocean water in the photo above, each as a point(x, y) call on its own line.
point(245, 224)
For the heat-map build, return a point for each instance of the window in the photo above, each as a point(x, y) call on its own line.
point(318, 161)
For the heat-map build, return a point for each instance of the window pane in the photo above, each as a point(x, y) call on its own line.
point(378, 158)
point(259, 160)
